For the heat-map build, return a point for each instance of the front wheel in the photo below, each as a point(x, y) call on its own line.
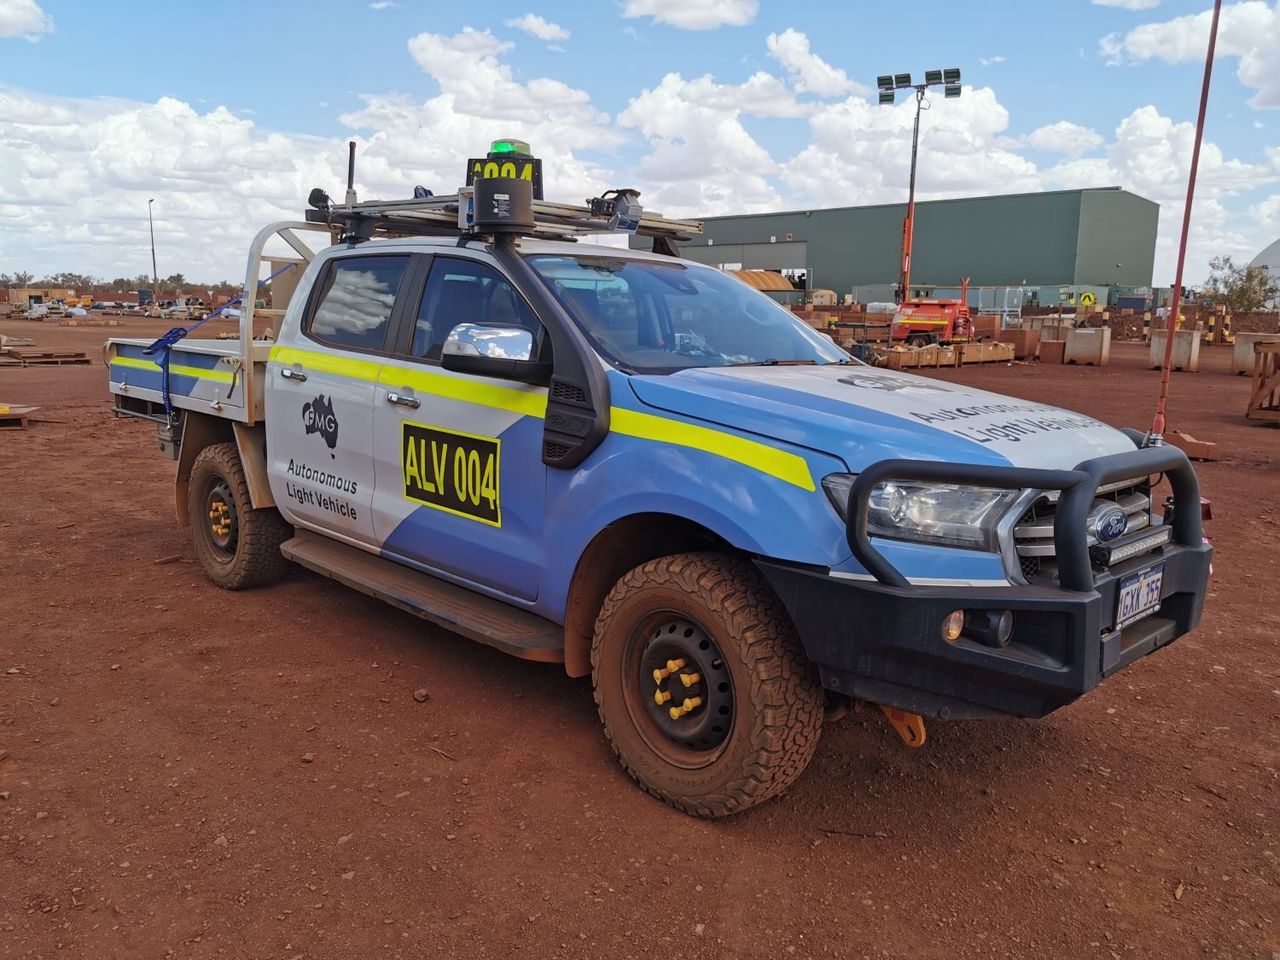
point(237, 546)
point(705, 695)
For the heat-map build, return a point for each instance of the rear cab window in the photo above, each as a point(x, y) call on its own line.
point(355, 300)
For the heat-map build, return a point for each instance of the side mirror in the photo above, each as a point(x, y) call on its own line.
point(493, 351)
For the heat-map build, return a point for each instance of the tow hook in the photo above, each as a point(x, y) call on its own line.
point(910, 726)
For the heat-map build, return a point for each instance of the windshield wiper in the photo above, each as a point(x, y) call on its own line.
point(772, 362)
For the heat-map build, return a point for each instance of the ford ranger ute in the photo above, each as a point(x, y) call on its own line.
point(643, 469)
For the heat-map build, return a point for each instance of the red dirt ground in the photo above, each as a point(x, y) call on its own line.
point(155, 801)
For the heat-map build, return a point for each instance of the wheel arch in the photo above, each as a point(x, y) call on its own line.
point(620, 546)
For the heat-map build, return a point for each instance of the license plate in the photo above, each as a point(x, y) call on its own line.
point(1139, 595)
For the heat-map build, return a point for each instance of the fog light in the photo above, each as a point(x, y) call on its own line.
point(953, 626)
point(991, 627)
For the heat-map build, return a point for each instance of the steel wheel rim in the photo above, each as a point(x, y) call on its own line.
point(674, 666)
point(222, 523)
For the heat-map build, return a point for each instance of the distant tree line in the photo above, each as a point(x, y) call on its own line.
point(86, 284)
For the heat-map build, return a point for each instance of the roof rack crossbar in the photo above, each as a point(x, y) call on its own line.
point(438, 216)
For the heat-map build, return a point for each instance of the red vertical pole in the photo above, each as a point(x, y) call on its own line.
point(1156, 436)
point(909, 224)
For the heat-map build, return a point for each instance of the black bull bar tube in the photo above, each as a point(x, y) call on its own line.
point(1078, 487)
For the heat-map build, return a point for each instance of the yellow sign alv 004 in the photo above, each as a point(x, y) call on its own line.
point(455, 472)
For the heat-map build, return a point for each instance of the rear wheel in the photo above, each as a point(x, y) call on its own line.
point(237, 546)
point(919, 340)
point(701, 684)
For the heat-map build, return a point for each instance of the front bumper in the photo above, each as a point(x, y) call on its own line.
point(880, 638)
point(883, 643)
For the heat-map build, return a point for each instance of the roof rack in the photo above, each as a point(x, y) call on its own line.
point(439, 217)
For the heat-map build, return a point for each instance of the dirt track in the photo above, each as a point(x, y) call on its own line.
point(157, 798)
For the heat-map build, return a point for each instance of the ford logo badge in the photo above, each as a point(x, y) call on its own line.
point(1111, 524)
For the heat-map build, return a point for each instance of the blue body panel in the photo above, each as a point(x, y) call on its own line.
point(749, 509)
point(505, 559)
point(859, 434)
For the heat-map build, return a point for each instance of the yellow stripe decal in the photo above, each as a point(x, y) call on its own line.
point(529, 403)
point(759, 456)
point(785, 466)
point(328, 363)
point(177, 369)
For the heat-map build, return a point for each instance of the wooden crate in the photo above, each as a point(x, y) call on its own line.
point(1264, 402)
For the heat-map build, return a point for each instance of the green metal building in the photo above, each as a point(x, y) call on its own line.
point(1054, 245)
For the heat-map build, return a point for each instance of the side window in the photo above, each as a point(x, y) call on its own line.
point(465, 291)
point(354, 307)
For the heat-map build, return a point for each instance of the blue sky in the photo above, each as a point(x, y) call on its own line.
point(306, 76)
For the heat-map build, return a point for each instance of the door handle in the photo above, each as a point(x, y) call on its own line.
point(412, 403)
point(290, 374)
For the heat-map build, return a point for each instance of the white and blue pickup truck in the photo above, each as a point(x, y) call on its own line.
point(643, 469)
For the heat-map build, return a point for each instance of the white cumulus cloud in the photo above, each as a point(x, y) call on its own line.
point(1065, 137)
point(23, 18)
point(860, 152)
point(811, 73)
point(1248, 31)
point(701, 156)
point(695, 14)
point(536, 26)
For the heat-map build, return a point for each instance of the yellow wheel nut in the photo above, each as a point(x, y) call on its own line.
point(689, 679)
point(674, 665)
point(659, 675)
point(676, 713)
point(661, 696)
point(692, 703)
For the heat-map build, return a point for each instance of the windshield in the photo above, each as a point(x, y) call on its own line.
point(653, 317)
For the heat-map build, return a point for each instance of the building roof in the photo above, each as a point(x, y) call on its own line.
point(921, 203)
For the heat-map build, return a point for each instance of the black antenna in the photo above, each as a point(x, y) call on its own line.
point(351, 171)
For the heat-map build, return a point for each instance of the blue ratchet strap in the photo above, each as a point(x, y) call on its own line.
point(165, 344)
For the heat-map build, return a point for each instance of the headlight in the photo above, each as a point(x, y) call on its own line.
point(946, 513)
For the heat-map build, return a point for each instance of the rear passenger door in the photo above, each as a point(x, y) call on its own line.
point(321, 387)
point(460, 480)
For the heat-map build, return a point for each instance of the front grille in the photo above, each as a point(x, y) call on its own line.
point(1033, 533)
point(1030, 567)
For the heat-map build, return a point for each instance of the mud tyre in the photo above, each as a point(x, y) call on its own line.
point(238, 546)
point(759, 708)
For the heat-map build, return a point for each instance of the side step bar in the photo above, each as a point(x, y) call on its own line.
point(455, 608)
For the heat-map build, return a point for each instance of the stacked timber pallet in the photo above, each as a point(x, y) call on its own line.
point(902, 357)
point(846, 325)
point(1264, 401)
point(45, 358)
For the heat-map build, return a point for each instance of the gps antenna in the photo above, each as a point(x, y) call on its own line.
point(1156, 437)
point(351, 171)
